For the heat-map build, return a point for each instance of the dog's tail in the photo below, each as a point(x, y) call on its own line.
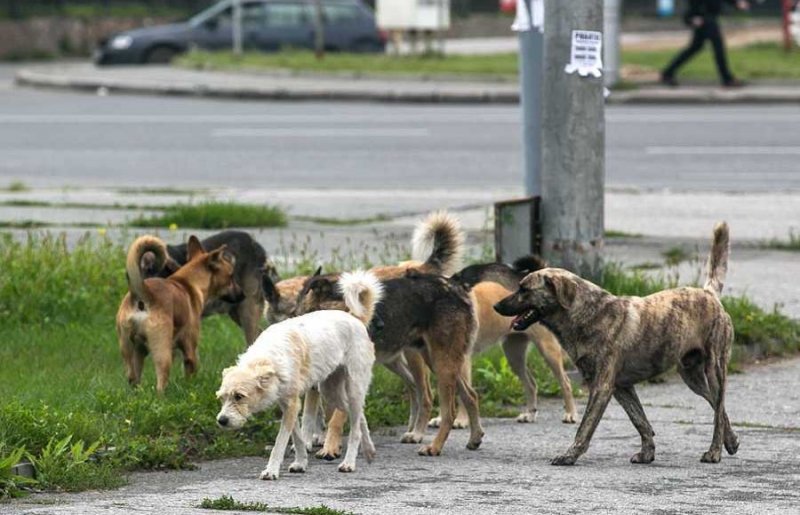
point(718, 259)
point(438, 241)
point(361, 292)
point(133, 265)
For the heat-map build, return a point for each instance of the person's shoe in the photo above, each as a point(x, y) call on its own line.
point(734, 83)
point(669, 80)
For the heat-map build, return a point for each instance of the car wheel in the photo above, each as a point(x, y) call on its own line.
point(160, 55)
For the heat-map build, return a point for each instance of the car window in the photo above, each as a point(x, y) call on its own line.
point(252, 15)
point(335, 14)
point(287, 15)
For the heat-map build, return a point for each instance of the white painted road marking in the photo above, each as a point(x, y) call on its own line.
point(724, 151)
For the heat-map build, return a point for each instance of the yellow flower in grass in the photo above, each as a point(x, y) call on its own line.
point(101, 231)
point(173, 227)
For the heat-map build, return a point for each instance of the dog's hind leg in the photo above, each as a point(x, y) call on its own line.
point(400, 366)
point(248, 316)
point(290, 411)
point(333, 392)
point(447, 360)
point(553, 355)
point(627, 398)
point(515, 347)
point(310, 411)
point(356, 393)
point(424, 397)
point(469, 401)
point(161, 351)
point(300, 463)
point(700, 374)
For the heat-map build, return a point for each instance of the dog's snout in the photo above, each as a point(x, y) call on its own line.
point(222, 420)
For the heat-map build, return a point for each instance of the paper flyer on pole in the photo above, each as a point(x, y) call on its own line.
point(586, 53)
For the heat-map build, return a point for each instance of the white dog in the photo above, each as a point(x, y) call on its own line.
point(330, 348)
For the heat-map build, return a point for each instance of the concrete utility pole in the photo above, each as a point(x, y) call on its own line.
point(236, 27)
point(573, 138)
point(531, 58)
point(611, 41)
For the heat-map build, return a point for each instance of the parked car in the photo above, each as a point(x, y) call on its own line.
point(267, 25)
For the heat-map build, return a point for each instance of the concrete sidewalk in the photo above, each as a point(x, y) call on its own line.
point(353, 87)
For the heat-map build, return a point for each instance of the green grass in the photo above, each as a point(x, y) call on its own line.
point(227, 503)
point(757, 61)
point(63, 378)
point(79, 205)
point(499, 65)
point(161, 191)
point(611, 233)
point(214, 215)
point(791, 244)
point(16, 187)
point(674, 256)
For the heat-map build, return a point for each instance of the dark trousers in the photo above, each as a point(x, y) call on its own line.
point(709, 30)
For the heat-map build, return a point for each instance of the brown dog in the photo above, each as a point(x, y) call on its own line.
point(159, 315)
point(617, 342)
point(494, 328)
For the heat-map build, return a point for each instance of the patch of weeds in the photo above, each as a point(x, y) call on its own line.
point(161, 191)
point(78, 205)
point(214, 215)
point(611, 233)
point(674, 256)
point(228, 503)
point(792, 244)
point(647, 265)
point(619, 281)
point(23, 224)
point(760, 333)
point(321, 220)
point(11, 484)
point(16, 187)
point(64, 465)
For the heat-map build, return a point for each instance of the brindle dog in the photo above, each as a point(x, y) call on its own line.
point(617, 342)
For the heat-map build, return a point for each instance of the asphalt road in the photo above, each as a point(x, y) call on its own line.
point(53, 139)
point(511, 473)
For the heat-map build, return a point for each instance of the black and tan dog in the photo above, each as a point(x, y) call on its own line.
point(420, 313)
point(617, 342)
point(159, 315)
point(251, 261)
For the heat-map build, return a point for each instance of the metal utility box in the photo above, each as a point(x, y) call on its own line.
point(517, 229)
point(413, 14)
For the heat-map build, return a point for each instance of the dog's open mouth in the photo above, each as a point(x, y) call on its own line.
point(524, 320)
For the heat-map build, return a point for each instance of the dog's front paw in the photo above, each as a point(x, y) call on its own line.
point(429, 450)
point(644, 457)
point(435, 422)
point(297, 468)
point(327, 454)
point(344, 467)
point(526, 417)
point(710, 457)
point(564, 459)
point(569, 418)
point(268, 475)
point(411, 437)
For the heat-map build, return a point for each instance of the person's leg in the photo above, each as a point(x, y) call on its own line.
point(698, 38)
point(714, 33)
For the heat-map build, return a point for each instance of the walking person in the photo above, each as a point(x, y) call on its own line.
point(702, 16)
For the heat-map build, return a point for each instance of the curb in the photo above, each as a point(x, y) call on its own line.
point(646, 96)
point(49, 81)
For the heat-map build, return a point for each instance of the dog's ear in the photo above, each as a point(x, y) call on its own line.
point(171, 266)
point(271, 293)
point(194, 248)
point(218, 256)
point(318, 272)
point(563, 288)
point(264, 372)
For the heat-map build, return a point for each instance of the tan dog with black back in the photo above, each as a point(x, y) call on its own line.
point(159, 315)
point(617, 342)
